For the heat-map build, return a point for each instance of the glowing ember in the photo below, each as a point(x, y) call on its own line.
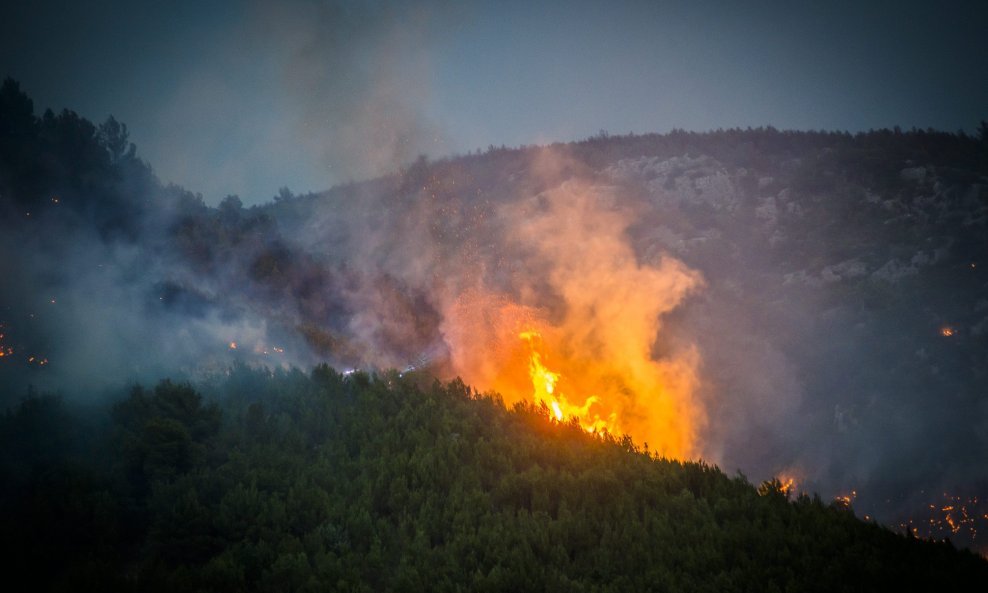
point(956, 515)
point(844, 501)
point(5, 351)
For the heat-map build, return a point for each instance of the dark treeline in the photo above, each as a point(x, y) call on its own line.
point(292, 482)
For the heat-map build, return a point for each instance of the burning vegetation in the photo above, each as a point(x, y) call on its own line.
point(959, 518)
point(545, 393)
point(588, 352)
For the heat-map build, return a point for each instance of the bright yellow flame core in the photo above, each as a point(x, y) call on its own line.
point(544, 384)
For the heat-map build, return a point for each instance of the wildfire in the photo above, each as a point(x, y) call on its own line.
point(845, 501)
point(954, 515)
point(577, 326)
point(544, 384)
point(789, 484)
point(5, 351)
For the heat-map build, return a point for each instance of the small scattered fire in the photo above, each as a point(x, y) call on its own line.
point(846, 500)
point(789, 484)
point(947, 331)
point(5, 351)
point(233, 345)
point(954, 514)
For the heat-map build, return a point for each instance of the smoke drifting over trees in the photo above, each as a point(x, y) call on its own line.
point(817, 297)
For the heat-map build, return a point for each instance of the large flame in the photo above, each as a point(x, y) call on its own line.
point(544, 392)
point(579, 325)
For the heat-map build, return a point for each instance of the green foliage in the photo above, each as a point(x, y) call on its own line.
point(332, 482)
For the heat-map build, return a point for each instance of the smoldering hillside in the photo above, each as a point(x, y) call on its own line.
point(812, 303)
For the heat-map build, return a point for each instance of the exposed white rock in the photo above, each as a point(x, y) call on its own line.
point(680, 180)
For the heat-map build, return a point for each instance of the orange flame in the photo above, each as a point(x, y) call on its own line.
point(789, 484)
point(585, 303)
point(5, 351)
point(544, 383)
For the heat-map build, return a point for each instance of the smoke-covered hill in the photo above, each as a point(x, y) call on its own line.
point(802, 304)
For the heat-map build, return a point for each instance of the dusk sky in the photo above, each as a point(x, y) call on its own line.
point(246, 97)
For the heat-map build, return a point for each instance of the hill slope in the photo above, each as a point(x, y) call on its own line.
point(836, 327)
point(303, 483)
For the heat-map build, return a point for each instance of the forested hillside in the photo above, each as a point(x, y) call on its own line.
point(292, 482)
point(822, 293)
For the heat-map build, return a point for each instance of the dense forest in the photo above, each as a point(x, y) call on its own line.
point(282, 481)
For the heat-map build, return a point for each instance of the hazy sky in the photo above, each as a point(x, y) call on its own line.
point(245, 97)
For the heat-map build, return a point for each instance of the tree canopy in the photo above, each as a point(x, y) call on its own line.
point(291, 482)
